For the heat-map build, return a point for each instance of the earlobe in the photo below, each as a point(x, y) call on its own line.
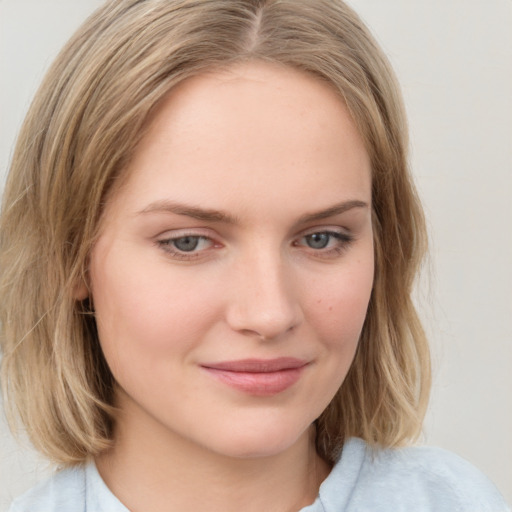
point(81, 290)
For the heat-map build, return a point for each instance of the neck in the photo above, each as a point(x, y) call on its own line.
point(147, 472)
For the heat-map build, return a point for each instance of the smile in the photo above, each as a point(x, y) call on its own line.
point(259, 377)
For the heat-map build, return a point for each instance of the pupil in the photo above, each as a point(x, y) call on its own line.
point(186, 243)
point(318, 240)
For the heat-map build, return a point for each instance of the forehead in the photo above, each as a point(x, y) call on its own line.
point(255, 130)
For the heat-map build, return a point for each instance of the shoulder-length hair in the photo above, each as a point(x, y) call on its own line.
point(80, 132)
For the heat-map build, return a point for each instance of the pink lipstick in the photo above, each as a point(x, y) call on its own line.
point(260, 377)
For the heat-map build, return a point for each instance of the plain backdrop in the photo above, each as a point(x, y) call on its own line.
point(454, 62)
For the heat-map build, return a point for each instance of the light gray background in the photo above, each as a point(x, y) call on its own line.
point(454, 61)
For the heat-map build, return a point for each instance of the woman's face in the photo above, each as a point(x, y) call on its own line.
point(234, 267)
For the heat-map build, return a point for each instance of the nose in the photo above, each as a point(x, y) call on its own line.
point(263, 299)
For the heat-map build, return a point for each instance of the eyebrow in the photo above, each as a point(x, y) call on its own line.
point(205, 214)
point(211, 215)
point(336, 209)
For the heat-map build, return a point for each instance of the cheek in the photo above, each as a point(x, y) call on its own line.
point(339, 303)
point(144, 313)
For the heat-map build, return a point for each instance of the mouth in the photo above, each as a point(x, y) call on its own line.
point(259, 377)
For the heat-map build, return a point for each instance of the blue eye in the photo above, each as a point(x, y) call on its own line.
point(326, 243)
point(186, 246)
point(326, 240)
point(186, 243)
point(318, 240)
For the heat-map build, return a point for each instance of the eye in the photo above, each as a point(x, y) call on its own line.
point(186, 246)
point(318, 240)
point(325, 243)
point(189, 243)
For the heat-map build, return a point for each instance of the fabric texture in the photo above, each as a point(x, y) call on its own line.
point(421, 479)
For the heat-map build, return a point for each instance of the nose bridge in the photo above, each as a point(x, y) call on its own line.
point(264, 301)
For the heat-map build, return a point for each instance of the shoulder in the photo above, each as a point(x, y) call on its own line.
point(414, 478)
point(64, 490)
point(79, 489)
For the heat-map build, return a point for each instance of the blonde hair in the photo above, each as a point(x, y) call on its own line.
point(79, 134)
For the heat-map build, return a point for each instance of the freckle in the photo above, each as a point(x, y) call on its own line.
point(319, 301)
point(330, 308)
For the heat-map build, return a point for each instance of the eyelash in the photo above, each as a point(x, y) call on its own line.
point(168, 246)
point(343, 240)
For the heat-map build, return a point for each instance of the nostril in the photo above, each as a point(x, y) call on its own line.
point(263, 336)
point(255, 334)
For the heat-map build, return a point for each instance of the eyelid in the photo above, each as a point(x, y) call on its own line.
point(333, 230)
point(324, 229)
point(343, 237)
point(181, 232)
point(164, 242)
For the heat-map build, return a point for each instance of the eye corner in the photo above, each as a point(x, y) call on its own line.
point(329, 243)
point(184, 246)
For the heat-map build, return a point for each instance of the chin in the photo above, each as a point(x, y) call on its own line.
point(260, 442)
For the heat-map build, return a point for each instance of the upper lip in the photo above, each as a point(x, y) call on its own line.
point(258, 365)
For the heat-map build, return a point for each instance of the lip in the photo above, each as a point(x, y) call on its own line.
point(259, 377)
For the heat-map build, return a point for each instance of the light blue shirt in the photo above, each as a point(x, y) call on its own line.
point(415, 479)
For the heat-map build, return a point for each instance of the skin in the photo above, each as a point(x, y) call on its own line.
point(276, 153)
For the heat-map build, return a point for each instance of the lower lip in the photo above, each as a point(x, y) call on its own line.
point(258, 383)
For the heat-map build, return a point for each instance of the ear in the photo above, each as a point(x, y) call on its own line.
point(81, 290)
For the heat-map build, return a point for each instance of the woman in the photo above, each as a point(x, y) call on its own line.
point(210, 209)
